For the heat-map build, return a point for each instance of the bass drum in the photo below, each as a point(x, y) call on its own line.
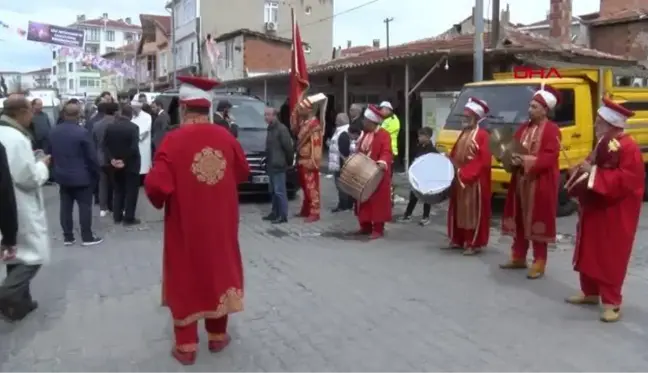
point(360, 177)
point(430, 177)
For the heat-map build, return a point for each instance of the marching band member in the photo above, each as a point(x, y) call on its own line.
point(531, 201)
point(609, 212)
point(469, 211)
point(376, 144)
point(309, 153)
point(194, 178)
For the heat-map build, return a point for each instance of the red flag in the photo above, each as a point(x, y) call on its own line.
point(298, 73)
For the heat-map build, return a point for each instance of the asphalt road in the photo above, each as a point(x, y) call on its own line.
point(317, 301)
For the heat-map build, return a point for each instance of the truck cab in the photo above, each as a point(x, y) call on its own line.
point(581, 91)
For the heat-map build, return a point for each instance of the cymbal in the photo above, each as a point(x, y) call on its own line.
point(499, 139)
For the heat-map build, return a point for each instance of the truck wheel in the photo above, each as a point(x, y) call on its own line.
point(566, 205)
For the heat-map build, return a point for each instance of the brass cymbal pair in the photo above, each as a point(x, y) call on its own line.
point(503, 145)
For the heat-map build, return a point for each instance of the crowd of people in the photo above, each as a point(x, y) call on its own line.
point(196, 170)
point(101, 161)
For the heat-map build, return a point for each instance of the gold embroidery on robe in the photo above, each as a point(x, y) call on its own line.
point(209, 166)
point(467, 202)
point(230, 302)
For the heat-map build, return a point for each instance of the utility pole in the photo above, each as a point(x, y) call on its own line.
point(171, 7)
point(387, 22)
point(495, 25)
point(478, 57)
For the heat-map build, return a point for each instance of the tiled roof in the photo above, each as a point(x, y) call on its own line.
point(163, 22)
point(545, 22)
point(108, 23)
point(512, 40)
point(354, 50)
point(248, 32)
point(627, 15)
point(128, 48)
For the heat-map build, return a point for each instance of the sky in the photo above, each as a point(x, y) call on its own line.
point(413, 19)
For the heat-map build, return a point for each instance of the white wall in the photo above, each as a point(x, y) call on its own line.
point(230, 65)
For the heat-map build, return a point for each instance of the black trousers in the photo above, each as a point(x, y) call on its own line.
point(105, 190)
point(345, 201)
point(126, 190)
point(15, 288)
point(83, 197)
point(412, 203)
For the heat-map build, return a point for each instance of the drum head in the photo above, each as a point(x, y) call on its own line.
point(431, 173)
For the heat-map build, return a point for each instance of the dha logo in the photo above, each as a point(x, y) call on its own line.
point(523, 72)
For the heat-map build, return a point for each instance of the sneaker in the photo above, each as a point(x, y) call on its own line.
point(103, 213)
point(424, 222)
point(69, 242)
point(404, 219)
point(94, 241)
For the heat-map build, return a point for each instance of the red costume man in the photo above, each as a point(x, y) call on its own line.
point(531, 201)
point(469, 212)
point(309, 153)
point(375, 142)
point(610, 204)
point(194, 177)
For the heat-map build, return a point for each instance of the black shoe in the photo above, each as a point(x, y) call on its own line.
point(337, 209)
point(132, 222)
point(269, 217)
point(16, 312)
point(280, 221)
point(94, 241)
point(69, 242)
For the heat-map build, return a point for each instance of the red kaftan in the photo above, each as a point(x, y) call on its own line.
point(532, 195)
point(195, 175)
point(469, 212)
point(378, 208)
point(609, 213)
point(309, 150)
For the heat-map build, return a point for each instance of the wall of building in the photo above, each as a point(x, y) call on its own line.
point(624, 39)
point(265, 55)
point(231, 63)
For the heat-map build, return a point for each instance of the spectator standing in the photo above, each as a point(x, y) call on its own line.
point(339, 151)
point(29, 175)
point(105, 183)
point(280, 155)
point(76, 170)
point(121, 150)
point(161, 124)
point(8, 211)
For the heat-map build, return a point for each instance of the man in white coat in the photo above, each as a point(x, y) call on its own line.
point(144, 122)
point(29, 174)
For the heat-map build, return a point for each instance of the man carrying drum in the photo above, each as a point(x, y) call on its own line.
point(469, 211)
point(531, 201)
point(610, 205)
point(376, 144)
point(309, 153)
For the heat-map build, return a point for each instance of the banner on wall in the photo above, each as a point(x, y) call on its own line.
point(57, 35)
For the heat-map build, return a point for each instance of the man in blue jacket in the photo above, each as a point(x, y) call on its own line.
point(76, 170)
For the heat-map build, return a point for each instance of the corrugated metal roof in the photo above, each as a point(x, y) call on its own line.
point(513, 40)
point(635, 71)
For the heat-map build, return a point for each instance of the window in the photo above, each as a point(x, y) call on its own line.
point(187, 11)
point(193, 52)
point(179, 59)
point(93, 34)
point(89, 82)
point(509, 105)
point(70, 67)
point(71, 84)
point(53, 55)
point(92, 49)
point(163, 59)
point(248, 113)
point(110, 35)
point(307, 48)
point(229, 53)
point(110, 49)
point(308, 10)
point(271, 12)
point(53, 70)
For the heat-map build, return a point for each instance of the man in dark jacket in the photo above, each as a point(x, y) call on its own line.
point(76, 170)
point(222, 117)
point(161, 124)
point(8, 211)
point(41, 125)
point(121, 150)
point(279, 157)
point(105, 188)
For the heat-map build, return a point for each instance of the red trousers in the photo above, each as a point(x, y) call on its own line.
point(310, 183)
point(186, 337)
point(368, 228)
point(521, 246)
point(610, 294)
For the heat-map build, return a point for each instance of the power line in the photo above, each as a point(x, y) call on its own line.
point(331, 17)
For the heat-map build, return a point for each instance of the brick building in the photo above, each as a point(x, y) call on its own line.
point(244, 53)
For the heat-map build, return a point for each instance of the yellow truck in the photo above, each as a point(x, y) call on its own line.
point(581, 88)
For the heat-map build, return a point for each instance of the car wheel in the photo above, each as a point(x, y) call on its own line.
point(292, 194)
point(566, 205)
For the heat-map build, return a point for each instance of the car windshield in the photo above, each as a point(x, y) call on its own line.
point(248, 114)
point(508, 104)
